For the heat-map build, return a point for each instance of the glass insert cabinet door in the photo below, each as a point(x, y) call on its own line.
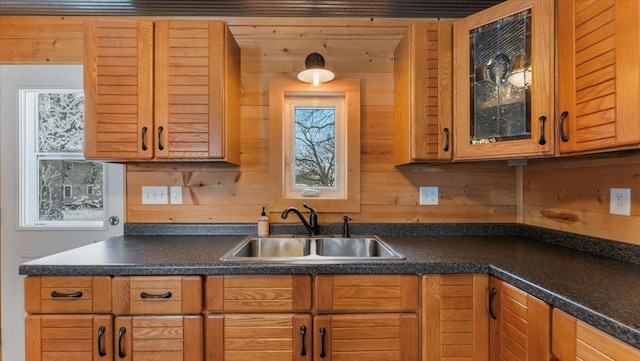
point(503, 81)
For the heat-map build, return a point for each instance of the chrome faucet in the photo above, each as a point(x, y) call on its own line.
point(312, 226)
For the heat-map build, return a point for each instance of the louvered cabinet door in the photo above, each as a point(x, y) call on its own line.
point(575, 340)
point(69, 337)
point(197, 94)
point(366, 337)
point(252, 337)
point(598, 74)
point(455, 322)
point(519, 324)
point(423, 93)
point(166, 338)
point(118, 88)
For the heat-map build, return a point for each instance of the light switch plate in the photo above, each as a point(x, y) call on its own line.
point(154, 195)
point(620, 201)
point(428, 196)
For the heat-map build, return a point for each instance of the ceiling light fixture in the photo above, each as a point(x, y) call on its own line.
point(315, 73)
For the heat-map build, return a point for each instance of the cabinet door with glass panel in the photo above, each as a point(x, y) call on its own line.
point(503, 81)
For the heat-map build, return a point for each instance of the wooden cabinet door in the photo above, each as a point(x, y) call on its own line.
point(367, 293)
point(197, 91)
point(455, 322)
point(575, 340)
point(519, 324)
point(166, 338)
point(366, 337)
point(502, 139)
point(251, 337)
point(69, 337)
point(423, 94)
point(259, 293)
point(118, 88)
point(598, 74)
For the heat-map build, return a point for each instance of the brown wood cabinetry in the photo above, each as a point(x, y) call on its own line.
point(69, 318)
point(598, 75)
point(483, 130)
point(153, 295)
point(161, 90)
point(455, 321)
point(519, 324)
point(372, 317)
point(575, 340)
point(423, 94)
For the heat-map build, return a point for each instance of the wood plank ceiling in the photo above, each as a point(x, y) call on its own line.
point(251, 8)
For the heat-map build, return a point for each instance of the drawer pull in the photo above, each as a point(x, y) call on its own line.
point(149, 295)
point(160, 146)
point(446, 140)
point(56, 294)
point(542, 140)
point(143, 136)
point(121, 333)
point(563, 135)
point(492, 295)
point(323, 333)
point(101, 350)
point(303, 331)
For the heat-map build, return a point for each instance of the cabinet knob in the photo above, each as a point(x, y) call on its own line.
point(446, 140)
point(563, 135)
point(492, 295)
point(542, 140)
point(143, 137)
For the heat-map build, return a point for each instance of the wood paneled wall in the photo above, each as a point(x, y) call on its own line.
point(272, 48)
point(572, 194)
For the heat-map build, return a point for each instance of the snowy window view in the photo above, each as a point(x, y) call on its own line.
point(315, 147)
point(69, 189)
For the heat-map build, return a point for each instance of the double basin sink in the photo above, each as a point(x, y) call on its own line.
point(311, 249)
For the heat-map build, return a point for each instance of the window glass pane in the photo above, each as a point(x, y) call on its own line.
point(500, 79)
point(315, 147)
point(64, 191)
point(60, 122)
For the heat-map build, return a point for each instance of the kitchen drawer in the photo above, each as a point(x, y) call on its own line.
point(285, 293)
point(157, 295)
point(67, 294)
point(367, 293)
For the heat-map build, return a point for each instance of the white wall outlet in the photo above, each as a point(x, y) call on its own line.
point(176, 194)
point(428, 196)
point(620, 201)
point(154, 195)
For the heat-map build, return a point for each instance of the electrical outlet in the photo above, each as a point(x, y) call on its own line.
point(428, 196)
point(176, 194)
point(620, 201)
point(154, 195)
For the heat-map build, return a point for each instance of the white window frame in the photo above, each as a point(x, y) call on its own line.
point(28, 214)
point(326, 100)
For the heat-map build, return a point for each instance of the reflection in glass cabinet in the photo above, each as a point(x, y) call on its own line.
point(500, 78)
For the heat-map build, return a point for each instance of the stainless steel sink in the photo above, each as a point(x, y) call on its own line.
point(316, 249)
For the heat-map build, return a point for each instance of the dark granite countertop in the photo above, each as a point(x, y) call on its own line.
point(601, 291)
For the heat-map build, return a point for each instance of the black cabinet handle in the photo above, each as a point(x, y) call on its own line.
point(492, 295)
point(303, 332)
point(144, 135)
point(101, 350)
point(446, 140)
point(121, 333)
point(323, 333)
point(150, 295)
point(160, 129)
point(56, 294)
point(563, 135)
point(542, 141)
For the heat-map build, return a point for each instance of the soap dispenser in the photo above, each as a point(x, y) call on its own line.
point(263, 224)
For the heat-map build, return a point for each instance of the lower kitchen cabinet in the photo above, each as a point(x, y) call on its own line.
point(519, 324)
point(574, 340)
point(366, 337)
point(76, 337)
point(455, 322)
point(251, 337)
point(166, 338)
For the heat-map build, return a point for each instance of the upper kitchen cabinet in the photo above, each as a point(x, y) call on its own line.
point(504, 80)
point(161, 90)
point(598, 75)
point(423, 94)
